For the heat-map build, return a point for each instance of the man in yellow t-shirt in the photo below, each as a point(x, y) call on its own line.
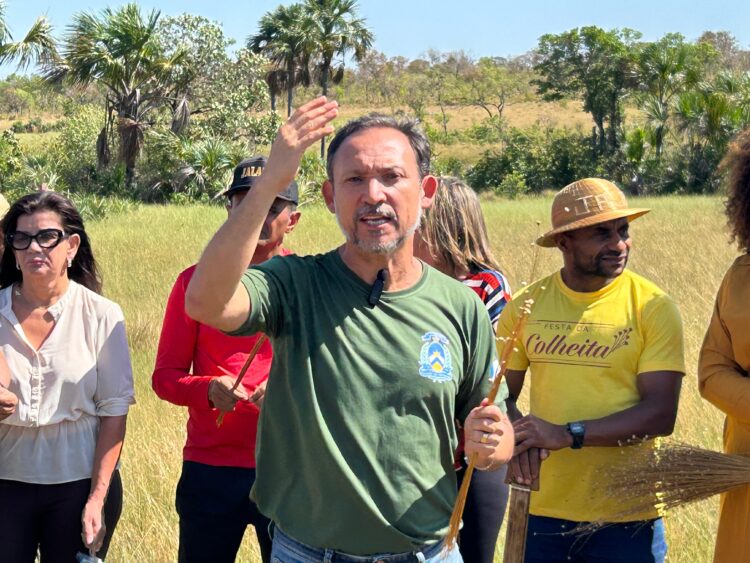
point(604, 350)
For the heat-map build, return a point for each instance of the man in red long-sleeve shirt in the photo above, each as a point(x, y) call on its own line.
point(196, 366)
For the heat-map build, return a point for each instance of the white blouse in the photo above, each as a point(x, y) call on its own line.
point(81, 371)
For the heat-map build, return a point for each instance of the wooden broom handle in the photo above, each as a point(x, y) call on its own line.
point(258, 343)
point(518, 520)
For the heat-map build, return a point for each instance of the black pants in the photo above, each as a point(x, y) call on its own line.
point(48, 518)
point(483, 514)
point(112, 512)
point(215, 508)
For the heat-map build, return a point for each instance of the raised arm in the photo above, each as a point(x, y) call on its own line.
point(214, 295)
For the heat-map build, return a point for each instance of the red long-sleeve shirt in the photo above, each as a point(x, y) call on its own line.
point(186, 344)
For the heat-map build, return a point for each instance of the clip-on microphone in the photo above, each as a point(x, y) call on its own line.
point(377, 287)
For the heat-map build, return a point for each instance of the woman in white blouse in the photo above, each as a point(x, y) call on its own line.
point(67, 352)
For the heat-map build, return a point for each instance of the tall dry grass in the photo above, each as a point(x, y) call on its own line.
point(682, 246)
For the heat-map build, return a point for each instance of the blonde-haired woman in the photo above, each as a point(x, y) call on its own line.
point(725, 357)
point(453, 238)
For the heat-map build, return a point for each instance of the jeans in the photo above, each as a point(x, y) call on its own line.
point(288, 550)
point(553, 540)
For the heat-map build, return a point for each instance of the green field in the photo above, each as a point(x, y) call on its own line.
point(682, 246)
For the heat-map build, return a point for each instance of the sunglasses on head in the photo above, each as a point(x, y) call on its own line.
point(46, 238)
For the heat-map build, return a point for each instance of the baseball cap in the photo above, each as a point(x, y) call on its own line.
point(247, 173)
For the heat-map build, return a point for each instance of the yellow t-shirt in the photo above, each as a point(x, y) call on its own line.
point(585, 351)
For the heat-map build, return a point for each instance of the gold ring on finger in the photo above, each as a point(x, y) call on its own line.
point(485, 438)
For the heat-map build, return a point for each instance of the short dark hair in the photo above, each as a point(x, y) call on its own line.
point(83, 269)
point(409, 127)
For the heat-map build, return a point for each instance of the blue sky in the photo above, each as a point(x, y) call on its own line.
point(480, 27)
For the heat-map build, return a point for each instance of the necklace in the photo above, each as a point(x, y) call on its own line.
point(17, 293)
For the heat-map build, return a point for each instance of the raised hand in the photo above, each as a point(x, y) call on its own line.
point(307, 125)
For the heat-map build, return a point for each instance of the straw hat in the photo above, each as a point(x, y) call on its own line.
point(584, 203)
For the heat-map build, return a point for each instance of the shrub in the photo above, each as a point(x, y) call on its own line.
point(310, 178)
point(543, 158)
point(512, 186)
point(448, 166)
point(74, 150)
point(199, 167)
point(93, 207)
point(11, 157)
point(489, 130)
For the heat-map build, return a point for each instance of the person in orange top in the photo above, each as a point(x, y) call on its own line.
point(725, 357)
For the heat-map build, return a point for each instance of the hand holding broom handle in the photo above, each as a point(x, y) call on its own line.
point(508, 349)
point(518, 519)
point(258, 343)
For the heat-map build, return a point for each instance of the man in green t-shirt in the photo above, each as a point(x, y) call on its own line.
point(375, 353)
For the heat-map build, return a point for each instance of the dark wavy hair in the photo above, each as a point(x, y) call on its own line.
point(737, 164)
point(83, 270)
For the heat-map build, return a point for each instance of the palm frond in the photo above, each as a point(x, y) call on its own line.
point(5, 34)
point(38, 46)
point(181, 117)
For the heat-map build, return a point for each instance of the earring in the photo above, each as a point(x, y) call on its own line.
point(70, 262)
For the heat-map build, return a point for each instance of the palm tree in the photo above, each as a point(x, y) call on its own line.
point(284, 38)
point(666, 69)
point(37, 46)
point(336, 31)
point(276, 82)
point(119, 50)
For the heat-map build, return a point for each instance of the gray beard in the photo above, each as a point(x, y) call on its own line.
point(381, 248)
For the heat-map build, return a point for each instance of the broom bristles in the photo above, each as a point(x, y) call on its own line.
point(672, 475)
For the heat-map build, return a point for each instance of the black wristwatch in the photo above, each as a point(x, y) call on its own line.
point(577, 430)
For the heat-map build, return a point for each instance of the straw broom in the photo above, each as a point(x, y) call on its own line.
point(458, 508)
point(520, 495)
point(521, 505)
point(672, 475)
point(258, 343)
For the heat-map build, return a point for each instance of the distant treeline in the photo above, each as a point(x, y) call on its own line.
point(157, 108)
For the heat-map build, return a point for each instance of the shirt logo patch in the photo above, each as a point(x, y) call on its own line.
point(435, 358)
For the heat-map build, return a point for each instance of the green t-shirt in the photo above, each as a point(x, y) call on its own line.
point(357, 437)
